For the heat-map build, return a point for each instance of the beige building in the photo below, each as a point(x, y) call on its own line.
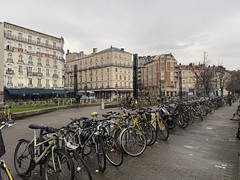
point(159, 76)
point(108, 73)
point(32, 63)
point(189, 83)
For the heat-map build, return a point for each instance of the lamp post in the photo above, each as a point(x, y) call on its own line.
point(180, 83)
point(117, 90)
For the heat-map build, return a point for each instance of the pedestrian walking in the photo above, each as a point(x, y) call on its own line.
point(229, 98)
point(78, 98)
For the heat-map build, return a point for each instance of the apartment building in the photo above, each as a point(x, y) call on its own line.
point(188, 78)
point(159, 76)
point(108, 73)
point(32, 63)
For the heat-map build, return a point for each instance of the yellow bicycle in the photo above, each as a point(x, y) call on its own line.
point(4, 171)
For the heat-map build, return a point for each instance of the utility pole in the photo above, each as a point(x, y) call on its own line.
point(135, 76)
point(180, 83)
point(75, 80)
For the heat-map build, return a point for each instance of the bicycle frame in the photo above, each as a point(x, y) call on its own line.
point(2, 163)
point(52, 145)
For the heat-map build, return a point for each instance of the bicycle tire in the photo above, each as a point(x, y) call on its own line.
point(154, 138)
point(162, 130)
point(133, 141)
point(113, 151)
point(4, 175)
point(101, 154)
point(81, 171)
point(148, 131)
point(26, 154)
point(62, 160)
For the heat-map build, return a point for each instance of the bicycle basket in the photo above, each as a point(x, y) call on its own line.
point(2, 146)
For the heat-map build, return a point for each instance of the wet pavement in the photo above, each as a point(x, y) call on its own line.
point(206, 150)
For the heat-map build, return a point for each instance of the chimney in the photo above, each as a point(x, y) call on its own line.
point(81, 53)
point(122, 49)
point(68, 51)
point(94, 50)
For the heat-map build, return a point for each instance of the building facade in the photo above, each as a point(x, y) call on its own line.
point(159, 76)
point(108, 73)
point(33, 63)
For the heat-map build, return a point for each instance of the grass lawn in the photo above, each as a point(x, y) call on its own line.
point(29, 107)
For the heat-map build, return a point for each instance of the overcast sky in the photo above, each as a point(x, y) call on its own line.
point(185, 28)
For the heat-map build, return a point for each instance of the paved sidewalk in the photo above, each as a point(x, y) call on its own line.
point(206, 150)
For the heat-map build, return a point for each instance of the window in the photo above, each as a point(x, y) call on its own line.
point(30, 60)
point(39, 82)
point(39, 70)
point(38, 40)
point(55, 83)
point(20, 68)
point(39, 63)
point(29, 38)
point(9, 33)
point(47, 72)
point(29, 69)
point(30, 81)
point(9, 58)
point(20, 58)
point(9, 80)
point(20, 36)
point(46, 43)
point(47, 62)
point(54, 44)
point(30, 49)
point(47, 82)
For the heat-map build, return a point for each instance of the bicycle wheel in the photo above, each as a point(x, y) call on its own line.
point(133, 141)
point(113, 151)
point(81, 171)
point(4, 174)
point(162, 130)
point(100, 154)
point(58, 165)
point(23, 157)
point(148, 131)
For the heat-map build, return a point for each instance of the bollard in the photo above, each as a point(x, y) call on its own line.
point(102, 104)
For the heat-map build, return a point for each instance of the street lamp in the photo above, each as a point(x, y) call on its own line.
point(180, 83)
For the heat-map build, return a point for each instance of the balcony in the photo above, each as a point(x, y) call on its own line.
point(20, 84)
point(9, 84)
point(39, 85)
point(39, 64)
point(55, 76)
point(9, 60)
point(9, 71)
point(30, 63)
point(55, 66)
point(20, 61)
point(30, 41)
point(29, 73)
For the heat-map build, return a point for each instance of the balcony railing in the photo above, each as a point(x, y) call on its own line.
point(25, 40)
point(55, 76)
point(9, 84)
point(9, 71)
point(9, 60)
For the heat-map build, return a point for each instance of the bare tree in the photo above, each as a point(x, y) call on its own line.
point(204, 74)
point(223, 76)
point(234, 82)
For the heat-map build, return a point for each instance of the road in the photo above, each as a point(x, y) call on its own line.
point(206, 150)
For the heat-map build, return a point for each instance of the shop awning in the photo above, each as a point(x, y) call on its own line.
point(32, 91)
point(60, 91)
point(14, 91)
